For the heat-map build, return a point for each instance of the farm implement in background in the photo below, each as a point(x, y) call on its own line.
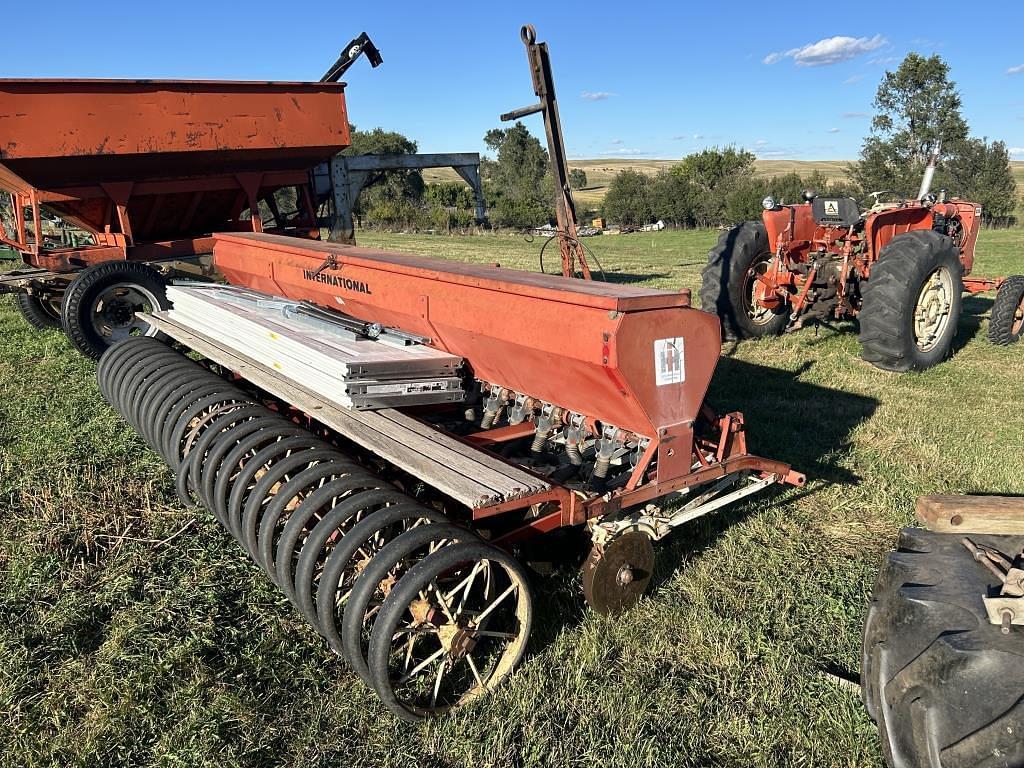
point(145, 171)
point(900, 268)
point(572, 250)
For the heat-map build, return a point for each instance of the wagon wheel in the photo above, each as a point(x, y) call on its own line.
point(102, 303)
point(451, 629)
point(39, 312)
point(617, 572)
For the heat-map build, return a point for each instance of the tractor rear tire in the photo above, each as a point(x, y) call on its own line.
point(100, 304)
point(726, 283)
point(943, 684)
point(41, 314)
point(1007, 322)
point(895, 298)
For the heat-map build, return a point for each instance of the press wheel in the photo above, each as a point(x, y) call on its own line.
point(617, 572)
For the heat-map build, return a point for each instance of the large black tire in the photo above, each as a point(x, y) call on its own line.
point(944, 685)
point(726, 283)
point(41, 314)
point(891, 295)
point(1007, 322)
point(93, 320)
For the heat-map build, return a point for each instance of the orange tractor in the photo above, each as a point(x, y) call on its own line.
point(900, 268)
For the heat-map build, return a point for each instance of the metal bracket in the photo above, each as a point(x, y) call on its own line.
point(1006, 608)
point(658, 524)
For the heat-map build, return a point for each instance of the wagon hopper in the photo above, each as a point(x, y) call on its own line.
point(400, 532)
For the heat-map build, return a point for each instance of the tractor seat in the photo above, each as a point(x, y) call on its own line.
point(835, 211)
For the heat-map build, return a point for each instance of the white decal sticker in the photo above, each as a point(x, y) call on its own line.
point(669, 361)
point(831, 207)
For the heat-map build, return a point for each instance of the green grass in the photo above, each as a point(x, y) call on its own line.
point(134, 632)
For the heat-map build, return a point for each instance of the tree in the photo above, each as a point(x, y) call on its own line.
point(980, 172)
point(390, 196)
point(515, 180)
point(450, 203)
point(577, 178)
point(674, 198)
point(710, 167)
point(918, 107)
point(628, 200)
point(715, 174)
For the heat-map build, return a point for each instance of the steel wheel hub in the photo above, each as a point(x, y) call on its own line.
point(931, 314)
point(754, 293)
point(114, 313)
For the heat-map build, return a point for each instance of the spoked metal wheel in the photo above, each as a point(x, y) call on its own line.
point(114, 313)
point(931, 314)
point(377, 580)
point(352, 554)
point(451, 629)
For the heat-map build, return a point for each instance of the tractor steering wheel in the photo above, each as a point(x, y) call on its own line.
point(878, 194)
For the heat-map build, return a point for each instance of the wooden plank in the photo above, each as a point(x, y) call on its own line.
point(972, 514)
point(512, 472)
point(461, 460)
point(363, 428)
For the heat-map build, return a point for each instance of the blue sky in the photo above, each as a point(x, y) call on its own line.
point(640, 79)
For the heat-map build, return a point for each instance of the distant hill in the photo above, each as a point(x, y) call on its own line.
point(601, 170)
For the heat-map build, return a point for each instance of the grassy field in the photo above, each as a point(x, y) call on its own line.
point(134, 632)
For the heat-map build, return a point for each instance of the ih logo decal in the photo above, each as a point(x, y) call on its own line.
point(831, 207)
point(669, 361)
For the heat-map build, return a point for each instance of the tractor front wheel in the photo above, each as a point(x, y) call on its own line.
point(912, 303)
point(100, 305)
point(729, 282)
point(1007, 322)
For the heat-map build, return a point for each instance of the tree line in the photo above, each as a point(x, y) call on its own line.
point(918, 112)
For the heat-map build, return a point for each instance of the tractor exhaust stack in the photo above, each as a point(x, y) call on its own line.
point(929, 173)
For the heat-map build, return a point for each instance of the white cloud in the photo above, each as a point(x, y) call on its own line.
point(853, 79)
point(596, 95)
point(760, 143)
point(831, 50)
point(626, 152)
point(616, 141)
point(1015, 70)
point(678, 138)
point(832, 130)
point(849, 115)
point(1016, 150)
point(698, 136)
